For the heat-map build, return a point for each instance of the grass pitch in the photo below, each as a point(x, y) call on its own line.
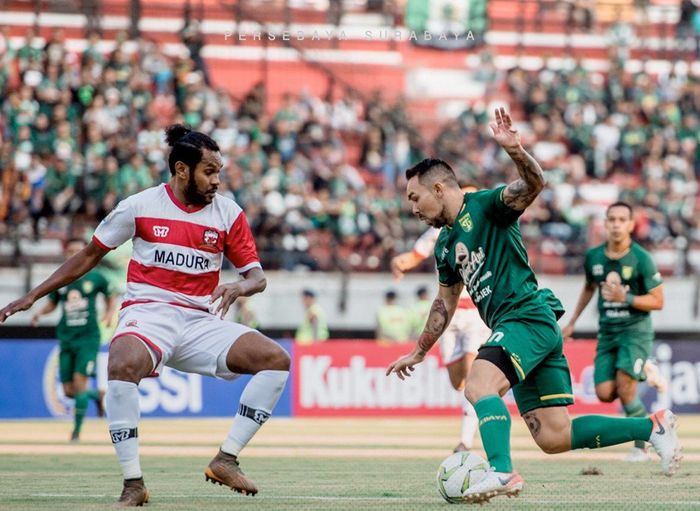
point(321, 464)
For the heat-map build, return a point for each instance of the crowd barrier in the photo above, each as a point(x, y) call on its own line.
point(333, 379)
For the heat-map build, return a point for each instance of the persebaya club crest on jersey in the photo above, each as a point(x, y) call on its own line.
point(483, 249)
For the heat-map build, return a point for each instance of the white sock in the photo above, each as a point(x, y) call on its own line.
point(257, 402)
point(470, 423)
point(122, 407)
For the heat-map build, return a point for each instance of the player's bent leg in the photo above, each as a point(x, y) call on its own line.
point(550, 427)
point(627, 390)
point(252, 353)
point(129, 362)
point(606, 391)
point(82, 398)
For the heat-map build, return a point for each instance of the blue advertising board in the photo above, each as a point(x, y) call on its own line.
point(30, 387)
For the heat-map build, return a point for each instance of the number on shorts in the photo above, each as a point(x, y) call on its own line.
point(495, 338)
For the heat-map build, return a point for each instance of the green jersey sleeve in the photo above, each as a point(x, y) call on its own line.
point(650, 276)
point(496, 209)
point(53, 296)
point(446, 275)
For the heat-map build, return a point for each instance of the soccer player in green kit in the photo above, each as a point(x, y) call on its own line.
point(630, 287)
point(79, 334)
point(480, 246)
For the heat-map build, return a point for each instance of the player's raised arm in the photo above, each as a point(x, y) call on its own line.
point(519, 194)
point(441, 313)
point(71, 270)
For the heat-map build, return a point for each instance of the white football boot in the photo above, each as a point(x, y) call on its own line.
point(493, 484)
point(665, 440)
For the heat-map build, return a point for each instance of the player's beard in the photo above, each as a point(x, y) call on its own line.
point(193, 195)
point(439, 221)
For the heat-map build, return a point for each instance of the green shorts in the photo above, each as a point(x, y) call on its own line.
point(626, 351)
point(78, 358)
point(535, 348)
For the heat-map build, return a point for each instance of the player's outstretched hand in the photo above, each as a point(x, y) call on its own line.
point(503, 132)
point(22, 304)
point(228, 294)
point(404, 366)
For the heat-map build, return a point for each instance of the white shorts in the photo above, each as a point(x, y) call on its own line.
point(186, 339)
point(465, 334)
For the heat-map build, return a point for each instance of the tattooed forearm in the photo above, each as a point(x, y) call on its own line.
point(521, 193)
point(435, 326)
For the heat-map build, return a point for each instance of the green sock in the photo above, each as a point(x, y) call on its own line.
point(81, 404)
point(594, 431)
point(93, 394)
point(494, 426)
point(635, 408)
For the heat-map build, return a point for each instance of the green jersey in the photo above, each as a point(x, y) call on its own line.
point(484, 250)
point(636, 270)
point(78, 300)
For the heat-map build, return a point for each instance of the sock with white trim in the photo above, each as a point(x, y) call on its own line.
point(257, 402)
point(122, 407)
point(470, 423)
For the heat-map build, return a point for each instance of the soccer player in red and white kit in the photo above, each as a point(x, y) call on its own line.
point(460, 343)
point(180, 231)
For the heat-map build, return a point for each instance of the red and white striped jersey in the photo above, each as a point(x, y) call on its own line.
point(424, 247)
point(178, 251)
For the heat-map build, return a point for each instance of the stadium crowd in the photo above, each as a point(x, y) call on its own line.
point(81, 131)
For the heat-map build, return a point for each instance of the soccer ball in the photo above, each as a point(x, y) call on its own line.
point(458, 472)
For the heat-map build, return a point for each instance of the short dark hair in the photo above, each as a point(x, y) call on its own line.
point(308, 292)
point(421, 291)
point(431, 166)
point(390, 295)
point(187, 146)
point(620, 204)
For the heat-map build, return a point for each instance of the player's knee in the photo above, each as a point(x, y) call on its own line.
point(475, 390)
point(119, 369)
point(606, 395)
point(279, 360)
point(553, 444)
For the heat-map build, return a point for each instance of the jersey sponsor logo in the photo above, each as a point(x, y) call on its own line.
point(613, 278)
point(186, 260)
point(211, 237)
point(469, 266)
point(466, 222)
point(627, 272)
point(132, 323)
point(598, 270)
point(160, 231)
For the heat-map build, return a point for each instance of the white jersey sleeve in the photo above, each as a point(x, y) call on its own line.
point(117, 227)
point(425, 245)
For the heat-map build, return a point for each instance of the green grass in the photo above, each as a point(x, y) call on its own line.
point(89, 481)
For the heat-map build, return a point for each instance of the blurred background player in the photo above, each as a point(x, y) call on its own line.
point(420, 311)
point(181, 231)
point(78, 333)
point(630, 288)
point(460, 343)
point(313, 327)
point(393, 320)
point(480, 247)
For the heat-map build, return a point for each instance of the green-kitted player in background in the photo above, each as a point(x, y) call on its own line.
point(78, 333)
point(630, 287)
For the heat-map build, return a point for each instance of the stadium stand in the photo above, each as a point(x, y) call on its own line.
point(319, 172)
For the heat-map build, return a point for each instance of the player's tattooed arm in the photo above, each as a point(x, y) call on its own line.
point(521, 193)
point(439, 317)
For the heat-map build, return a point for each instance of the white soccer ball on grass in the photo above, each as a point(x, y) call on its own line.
point(458, 472)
